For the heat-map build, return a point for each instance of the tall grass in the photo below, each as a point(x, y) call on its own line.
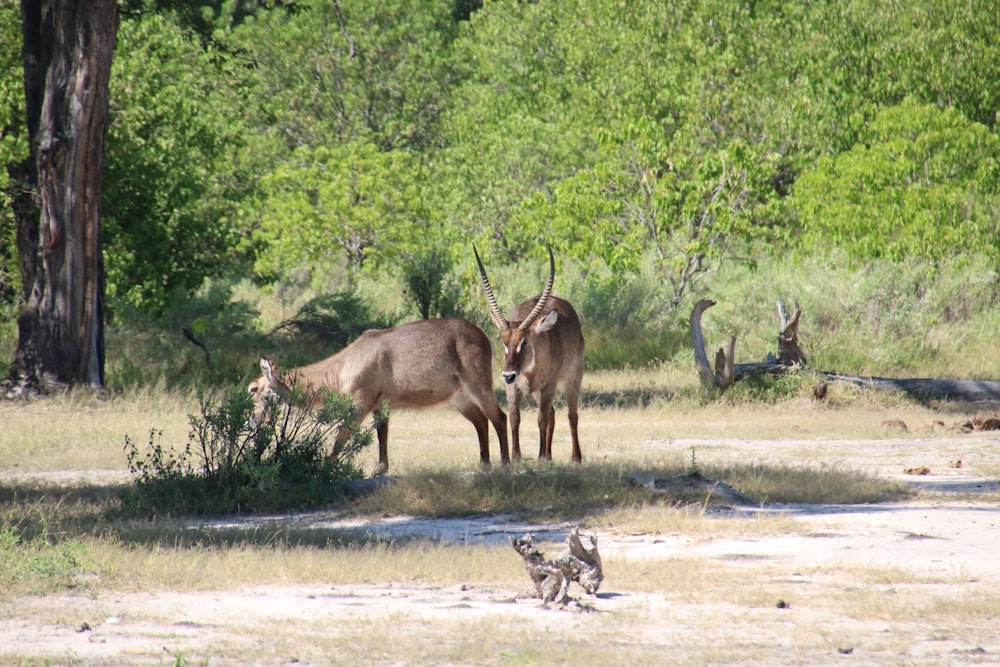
point(894, 319)
point(905, 319)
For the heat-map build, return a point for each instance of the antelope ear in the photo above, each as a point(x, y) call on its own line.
point(268, 368)
point(253, 387)
point(547, 322)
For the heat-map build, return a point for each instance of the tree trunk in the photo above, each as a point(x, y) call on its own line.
point(68, 46)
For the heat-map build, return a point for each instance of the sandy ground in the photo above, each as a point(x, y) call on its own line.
point(915, 583)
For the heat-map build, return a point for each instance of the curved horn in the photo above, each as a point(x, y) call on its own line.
point(544, 297)
point(498, 317)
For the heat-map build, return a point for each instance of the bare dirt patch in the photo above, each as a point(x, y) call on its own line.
point(915, 583)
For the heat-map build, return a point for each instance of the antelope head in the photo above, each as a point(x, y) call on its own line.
point(267, 386)
point(518, 351)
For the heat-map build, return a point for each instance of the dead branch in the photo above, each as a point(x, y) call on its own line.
point(790, 356)
point(789, 352)
point(727, 371)
point(189, 334)
point(343, 28)
point(552, 578)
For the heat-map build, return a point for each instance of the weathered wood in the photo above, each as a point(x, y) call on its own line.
point(973, 391)
point(790, 358)
point(789, 352)
point(552, 578)
point(727, 371)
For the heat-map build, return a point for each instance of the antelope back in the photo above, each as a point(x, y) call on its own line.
point(413, 365)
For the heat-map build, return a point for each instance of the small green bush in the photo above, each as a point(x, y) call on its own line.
point(35, 563)
point(232, 463)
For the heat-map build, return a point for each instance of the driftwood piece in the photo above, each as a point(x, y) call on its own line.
point(552, 578)
point(973, 391)
point(790, 356)
point(727, 371)
point(789, 352)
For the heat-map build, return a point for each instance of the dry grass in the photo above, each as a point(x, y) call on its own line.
point(721, 610)
point(82, 430)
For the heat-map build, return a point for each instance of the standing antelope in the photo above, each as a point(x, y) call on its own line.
point(415, 365)
point(543, 349)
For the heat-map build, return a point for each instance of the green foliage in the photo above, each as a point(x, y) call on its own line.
point(896, 319)
point(144, 352)
point(170, 178)
point(649, 142)
point(38, 564)
point(627, 317)
point(921, 182)
point(232, 463)
point(381, 79)
point(326, 324)
point(427, 286)
point(349, 203)
point(764, 388)
point(686, 208)
point(13, 143)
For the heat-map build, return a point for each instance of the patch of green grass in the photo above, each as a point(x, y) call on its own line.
point(33, 561)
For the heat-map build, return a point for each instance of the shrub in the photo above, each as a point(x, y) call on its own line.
point(144, 351)
point(37, 564)
point(327, 323)
point(232, 463)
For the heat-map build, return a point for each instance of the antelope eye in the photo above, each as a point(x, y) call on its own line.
point(505, 350)
point(520, 345)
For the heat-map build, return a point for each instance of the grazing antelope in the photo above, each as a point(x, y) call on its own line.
point(415, 365)
point(543, 349)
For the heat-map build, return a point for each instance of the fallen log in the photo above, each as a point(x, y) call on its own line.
point(972, 391)
point(790, 358)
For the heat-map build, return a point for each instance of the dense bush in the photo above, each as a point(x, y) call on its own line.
point(232, 463)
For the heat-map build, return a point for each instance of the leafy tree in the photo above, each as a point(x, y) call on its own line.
point(363, 72)
point(871, 54)
point(641, 132)
point(13, 144)
point(172, 171)
point(510, 128)
point(921, 182)
point(426, 284)
point(686, 208)
point(348, 203)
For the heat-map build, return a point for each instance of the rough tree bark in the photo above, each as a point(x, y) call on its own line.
point(68, 47)
point(790, 357)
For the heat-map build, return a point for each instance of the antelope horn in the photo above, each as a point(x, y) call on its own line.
point(498, 317)
point(544, 297)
